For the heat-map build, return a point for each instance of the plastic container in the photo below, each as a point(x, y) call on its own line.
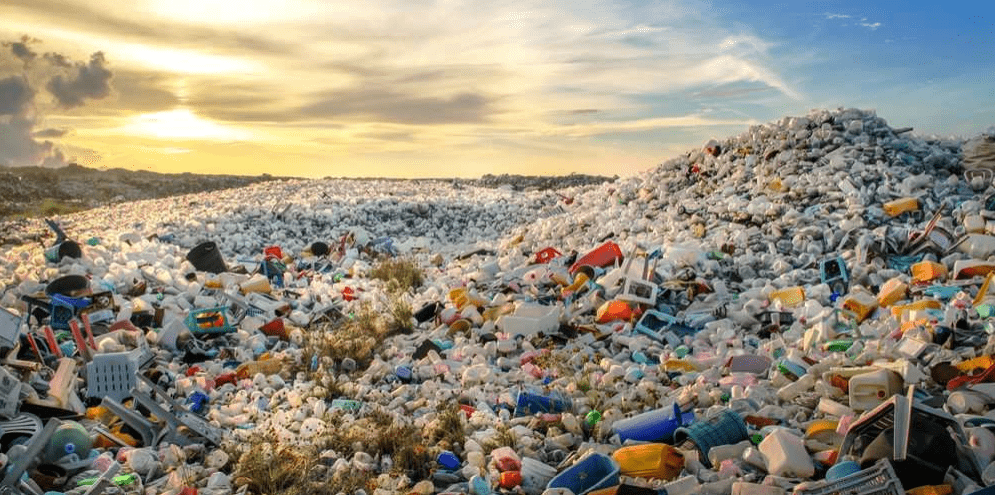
point(593, 472)
point(535, 475)
point(657, 425)
point(979, 246)
point(724, 428)
point(899, 206)
point(892, 291)
point(649, 460)
point(207, 258)
point(531, 402)
point(862, 304)
point(868, 390)
point(879, 479)
point(603, 255)
point(530, 319)
point(789, 297)
point(928, 271)
point(786, 455)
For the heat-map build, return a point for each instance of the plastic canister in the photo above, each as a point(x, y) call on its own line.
point(786, 455)
point(683, 486)
point(926, 271)
point(789, 297)
point(979, 246)
point(535, 475)
point(657, 425)
point(649, 460)
point(892, 291)
point(530, 402)
point(899, 206)
point(862, 303)
point(868, 390)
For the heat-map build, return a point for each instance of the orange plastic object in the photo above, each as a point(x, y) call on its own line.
point(678, 365)
point(614, 310)
point(546, 255)
point(901, 205)
point(980, 362)
point(579, 280)
point(510, 479)
point(273, 251)
point(267, 367)
point(603, 255)
point(919, 305)
point(891, 292)
point(931, 490)
point(789, 297)
point(927, 271)
point(861, 303)
point(650, 460)
point(275, 328)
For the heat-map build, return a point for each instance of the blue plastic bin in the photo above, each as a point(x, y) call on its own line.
point(593, 472)
point(657, 425)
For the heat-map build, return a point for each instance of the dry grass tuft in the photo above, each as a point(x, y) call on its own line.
point(400, 274)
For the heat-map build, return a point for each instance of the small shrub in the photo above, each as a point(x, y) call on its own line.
point(399, 274)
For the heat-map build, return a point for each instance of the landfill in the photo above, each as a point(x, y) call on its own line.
point(806, 307)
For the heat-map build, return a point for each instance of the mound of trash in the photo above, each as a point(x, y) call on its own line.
point(805, 307)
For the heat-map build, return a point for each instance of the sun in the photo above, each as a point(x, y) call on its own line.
point(181, 123)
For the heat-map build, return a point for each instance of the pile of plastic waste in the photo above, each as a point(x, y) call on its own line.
point(806, 307)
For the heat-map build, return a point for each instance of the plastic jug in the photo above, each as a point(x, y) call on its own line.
point(868, 390)
point(899, 206)
point(657, 425)
point(593, 472)
point(862, 303)
point(786, 455)
point(649, 460)
point(892, 291)
point(927, 271)
point(789, 297)
point(535, 475)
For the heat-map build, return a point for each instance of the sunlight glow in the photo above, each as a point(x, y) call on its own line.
point(181, 123)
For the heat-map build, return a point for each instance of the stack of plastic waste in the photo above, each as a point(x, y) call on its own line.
point(806, 307)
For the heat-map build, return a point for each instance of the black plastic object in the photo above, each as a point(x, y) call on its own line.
point(69, 285)
point(428, 311)
point(206, 258)
point(424, 348)
point(70, 249)
point(319, 248)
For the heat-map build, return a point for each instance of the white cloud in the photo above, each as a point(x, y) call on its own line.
point(836, 16)
point(873, 26)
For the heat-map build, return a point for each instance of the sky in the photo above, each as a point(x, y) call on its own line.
point(421, 88)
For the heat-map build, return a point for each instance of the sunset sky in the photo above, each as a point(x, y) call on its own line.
point(462, 88)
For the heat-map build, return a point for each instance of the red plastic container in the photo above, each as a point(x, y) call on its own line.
point(603, 255)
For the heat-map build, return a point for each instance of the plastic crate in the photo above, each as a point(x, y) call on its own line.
point(879, 479)
point(10, 328)
point(10, 390)
point(210, 321)
point(113, 374)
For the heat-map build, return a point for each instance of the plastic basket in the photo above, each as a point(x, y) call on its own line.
point(110, 375)
point(210, 321)
point(879, 479)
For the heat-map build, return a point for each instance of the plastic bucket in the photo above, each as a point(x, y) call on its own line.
point(593, 472)
point(724, 428)
point(657, 425)
point(65, 249)
point(69, 285)
point(206, 258)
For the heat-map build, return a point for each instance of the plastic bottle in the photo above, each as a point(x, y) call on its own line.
point(786, 455)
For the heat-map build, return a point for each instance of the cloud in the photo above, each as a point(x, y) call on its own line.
point(836, 16)
point(873, 26)
point(380, 105)
point(92, 80)
point(20, 114)
point(15, 95)
point(21, 50)
point(50, 133)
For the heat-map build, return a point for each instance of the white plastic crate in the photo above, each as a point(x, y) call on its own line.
point(112, 374)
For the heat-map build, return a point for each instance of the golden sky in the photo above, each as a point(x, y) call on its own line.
point(386, 87)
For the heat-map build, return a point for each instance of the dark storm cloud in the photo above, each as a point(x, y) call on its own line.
point(383, 105)
point(21, 50)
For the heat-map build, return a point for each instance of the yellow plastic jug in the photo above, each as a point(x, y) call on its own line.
point(649, 460)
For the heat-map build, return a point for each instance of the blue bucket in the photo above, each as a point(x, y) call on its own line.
point(724, 428)
point(658, 425)
point(593, 472)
